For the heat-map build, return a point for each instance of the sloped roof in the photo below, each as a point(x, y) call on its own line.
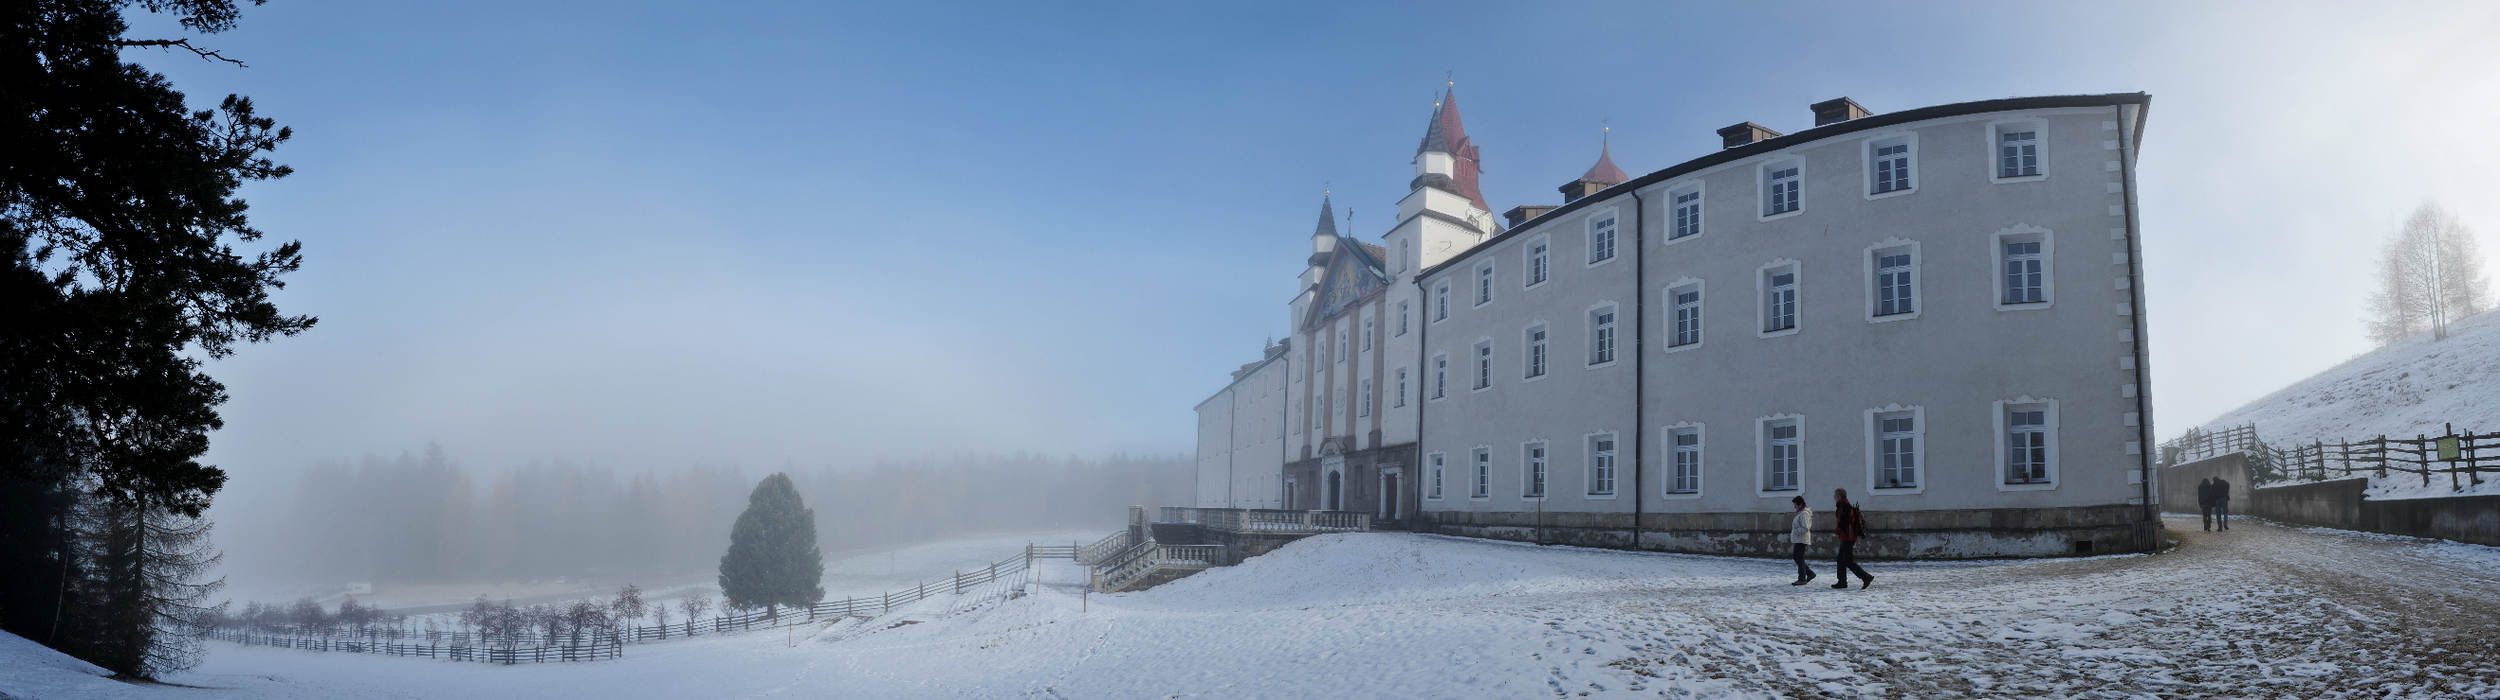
point(1605, 171)
point(1447, 134)
point(1327, 219)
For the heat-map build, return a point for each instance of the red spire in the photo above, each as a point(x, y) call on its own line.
point(1448, 135)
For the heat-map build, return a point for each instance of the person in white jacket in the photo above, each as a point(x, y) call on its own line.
point(1800, 534)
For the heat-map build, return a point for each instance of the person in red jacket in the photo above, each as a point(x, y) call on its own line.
point(1848, 524)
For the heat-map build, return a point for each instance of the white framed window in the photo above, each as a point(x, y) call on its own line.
point(1892, 280)
point(1533, 340)
point(2019, 149)
point(1684, 315)
point(1891, 165)
point(1484, 284)
point(2027, 453)
point(1683, 460)
point(1440, 375)
point(1433, 464)
point(1601, 227)
point(1441, 302)
point(1601, 335)
point(1369, 329)
point(1539, 262)
point(1896, 437)
point(1782, 459)
point(1483, 459)
point(1398, 400)
point(1484, 364)
point(1532, 469)
point(1684, 212)
point(1323, 352)
point(1783, 187)
point(1601, 464)
point(1363, 407)
point(2026, 269)
point(1342, 348)
point(1778, 282)
point(1405, 250)
point(1402, 304)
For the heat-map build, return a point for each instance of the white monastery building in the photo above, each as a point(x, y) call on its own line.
point(1938, 309)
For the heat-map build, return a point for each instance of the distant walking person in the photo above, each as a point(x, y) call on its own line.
point(2222, 504)
point(2205, 502)
point(1800, 534)
point(1848, 524)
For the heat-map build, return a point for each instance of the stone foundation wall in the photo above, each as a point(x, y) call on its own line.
point(1940, 534)
point(2342, 504)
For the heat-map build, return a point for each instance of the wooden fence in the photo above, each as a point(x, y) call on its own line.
point(2319, 460)
point(1006, 577)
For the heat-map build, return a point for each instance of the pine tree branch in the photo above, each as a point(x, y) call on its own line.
point(204, 54)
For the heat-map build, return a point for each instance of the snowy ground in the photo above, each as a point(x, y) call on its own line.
point(2403, 390)
point(2258, 611)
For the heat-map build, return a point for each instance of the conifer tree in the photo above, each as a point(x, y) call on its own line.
point(772, 559)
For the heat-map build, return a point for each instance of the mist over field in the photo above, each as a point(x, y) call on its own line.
point(427, 517)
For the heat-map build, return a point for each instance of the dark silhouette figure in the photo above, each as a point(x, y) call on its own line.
point(1848, 524)
point(2222, 504)
point(2205, 502)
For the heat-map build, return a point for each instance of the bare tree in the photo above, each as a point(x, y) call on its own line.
point(586, 618)
point(2429, 275)
point(628, 606)
point(694, 605)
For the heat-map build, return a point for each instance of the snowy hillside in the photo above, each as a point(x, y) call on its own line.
point(2404, 389)
point(1403, 615)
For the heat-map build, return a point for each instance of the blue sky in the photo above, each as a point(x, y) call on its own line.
point(798, 233)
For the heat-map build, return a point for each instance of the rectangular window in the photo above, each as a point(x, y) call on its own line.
point(1896, 450)
point(1342, 348)
point(1484, 474)
point(1363, 408)
point(1402, 304)
point(2026, 277)
point(1687, 223)
point(1433, 490)
point(1323, 352)
point(1891, 161)
point(1779, 299)
point(1538, 262)
point(1441, 301)
point(1894, 291)
point(1602, 335)
point(1684, 474)
point(1398, 400)
point(1484, 284)
point(1534, 456)
point(1368, 332)
point(1685, 327)
point(1780, 185)
point(2026, 445)
point(1484, 365)
point(1781, 452)
point(1601, 238)
point(1440, 376)
point(1536, 351)
point(2018, 151)
point(1602, 465)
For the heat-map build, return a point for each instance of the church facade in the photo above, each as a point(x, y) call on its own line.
point(1938, 310)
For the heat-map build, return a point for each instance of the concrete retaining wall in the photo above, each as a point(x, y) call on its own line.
point(1936, 534)
point(2341, 504)
point(2178, 484)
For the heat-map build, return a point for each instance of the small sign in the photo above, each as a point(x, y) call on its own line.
point(2447, 448)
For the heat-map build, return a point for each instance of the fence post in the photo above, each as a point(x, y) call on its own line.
point(2430, 451)
point(959, 582)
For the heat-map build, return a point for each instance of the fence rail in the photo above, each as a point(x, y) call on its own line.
point(1270, 521)
point(1007, 578)
point(2318, 460)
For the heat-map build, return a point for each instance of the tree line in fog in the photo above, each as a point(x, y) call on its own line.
point(424, 517)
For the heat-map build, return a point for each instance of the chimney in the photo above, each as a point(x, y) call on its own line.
point(1745, 133)
point(1837, 110)
point(1581, 188)
point(1522, 213)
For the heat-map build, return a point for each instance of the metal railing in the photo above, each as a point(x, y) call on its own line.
point(2319, 460)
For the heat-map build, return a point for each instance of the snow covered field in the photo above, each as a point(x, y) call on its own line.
point(2258, 611)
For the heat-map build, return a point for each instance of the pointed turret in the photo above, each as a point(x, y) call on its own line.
point(1324, 237)
point(1445, 137)
point(1599, 177)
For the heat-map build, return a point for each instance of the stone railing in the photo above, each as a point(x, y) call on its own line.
point(1104, 549)
point(1152, 557)
point(1282, 522)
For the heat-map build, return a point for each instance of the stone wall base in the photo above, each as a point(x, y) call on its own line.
point(1941, 534)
